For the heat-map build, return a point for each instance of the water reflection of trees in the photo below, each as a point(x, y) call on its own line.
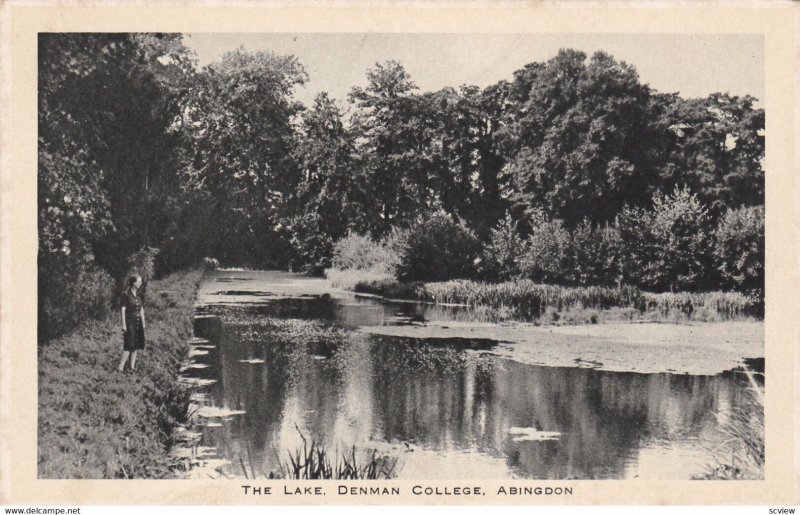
point(446, 397)
point(453, 395)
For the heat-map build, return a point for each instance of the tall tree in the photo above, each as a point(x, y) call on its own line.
point(464, 159)
point(107, 108)
point(392, 130)
point(332, 197)
point(714, 145)
point(242, 128)
point(576, 138)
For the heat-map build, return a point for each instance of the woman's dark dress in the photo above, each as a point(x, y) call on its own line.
point(133, 338)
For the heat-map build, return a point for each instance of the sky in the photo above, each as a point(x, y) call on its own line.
point(692, 65)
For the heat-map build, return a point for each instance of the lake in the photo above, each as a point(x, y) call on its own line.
point(281, 357)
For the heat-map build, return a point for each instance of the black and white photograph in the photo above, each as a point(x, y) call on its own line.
point(354, 256)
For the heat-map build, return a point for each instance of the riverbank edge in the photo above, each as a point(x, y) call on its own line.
point(557, 305)
point(95, 422)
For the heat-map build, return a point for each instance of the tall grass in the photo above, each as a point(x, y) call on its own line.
point(706, 306)
point(531, 300)
point(526, 300)
point(312, 461)
point(742, 454)
point(94, 422)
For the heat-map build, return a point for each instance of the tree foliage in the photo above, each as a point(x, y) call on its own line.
point(739, 249)
point(436, 247)
point(107, 155)
point(504, 251)
point(240, 124)
point(713, 145)
point(329, 199)
point(546, 250)
point(572, 171)
point(668, 246)
point(577, 137)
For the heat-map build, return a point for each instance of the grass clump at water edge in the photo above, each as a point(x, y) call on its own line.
point(742, 454)
point(312, 460)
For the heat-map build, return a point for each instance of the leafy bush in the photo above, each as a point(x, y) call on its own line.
point(668, 247)
point(593, 255)
point(71, 293)
point(357, 252)
point(739, 249)
point(546, 251)
point(436, 247)
point(502, 254)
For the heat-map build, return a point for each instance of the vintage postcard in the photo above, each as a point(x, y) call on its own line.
point(398, 254)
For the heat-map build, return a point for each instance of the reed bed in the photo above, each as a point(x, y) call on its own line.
point(526, 300)
point(706, 306)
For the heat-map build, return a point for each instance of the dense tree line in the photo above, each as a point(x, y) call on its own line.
point(572, 171)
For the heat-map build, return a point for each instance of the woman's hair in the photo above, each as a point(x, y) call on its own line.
point(131, 281)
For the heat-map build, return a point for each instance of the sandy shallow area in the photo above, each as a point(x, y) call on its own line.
point(700, 348)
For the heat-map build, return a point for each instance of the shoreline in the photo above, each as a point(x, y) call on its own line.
point(523, 301)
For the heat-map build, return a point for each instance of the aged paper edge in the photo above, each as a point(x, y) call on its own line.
point(18, 385)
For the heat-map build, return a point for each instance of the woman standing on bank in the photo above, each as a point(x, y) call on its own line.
point(133, 323)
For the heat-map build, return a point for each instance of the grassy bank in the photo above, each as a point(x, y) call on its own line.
point(523, 299)
point(95, 422)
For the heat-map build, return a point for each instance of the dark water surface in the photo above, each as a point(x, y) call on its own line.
point(446, 407)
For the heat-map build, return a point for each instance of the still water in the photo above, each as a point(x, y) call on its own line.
point(446, 408)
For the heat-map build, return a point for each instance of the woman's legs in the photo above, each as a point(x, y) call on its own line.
point(124, 358)
point(133, 359)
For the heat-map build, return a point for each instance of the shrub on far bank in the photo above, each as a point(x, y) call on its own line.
point(311, 246)
point(593, 256)
point(361, 253)
point(545, 258)
point(502, 253)
point(436, 247)
point(667, 248)
point(739, 249)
